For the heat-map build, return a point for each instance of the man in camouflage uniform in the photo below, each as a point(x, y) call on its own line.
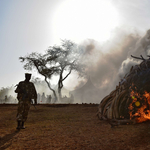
point(26, 92)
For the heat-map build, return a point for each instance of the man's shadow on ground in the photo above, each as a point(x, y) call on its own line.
point(7, 138)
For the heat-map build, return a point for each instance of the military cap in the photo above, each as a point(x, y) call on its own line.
point(28, 74)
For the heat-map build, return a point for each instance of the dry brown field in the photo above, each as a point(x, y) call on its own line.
point(69, 127)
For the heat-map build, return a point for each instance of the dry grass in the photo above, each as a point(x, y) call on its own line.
point(62, 127)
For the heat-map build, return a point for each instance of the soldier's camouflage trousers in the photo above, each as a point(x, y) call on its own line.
point(23, 109)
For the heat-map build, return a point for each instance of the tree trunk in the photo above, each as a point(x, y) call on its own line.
point(60, 82)
point(60, 86)
point(56, 99)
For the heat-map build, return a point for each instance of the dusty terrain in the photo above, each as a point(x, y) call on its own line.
point(62, 127)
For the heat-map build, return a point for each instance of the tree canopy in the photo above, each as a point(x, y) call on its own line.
point(57, 60)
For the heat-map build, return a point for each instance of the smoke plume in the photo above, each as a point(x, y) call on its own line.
point(109, 62)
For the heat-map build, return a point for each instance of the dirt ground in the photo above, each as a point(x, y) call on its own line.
point(69, 127)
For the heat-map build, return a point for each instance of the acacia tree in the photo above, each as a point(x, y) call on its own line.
point(58, 60)
point(45, 65)
point(67, 60)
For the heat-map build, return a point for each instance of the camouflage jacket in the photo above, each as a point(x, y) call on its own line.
point(26, 90)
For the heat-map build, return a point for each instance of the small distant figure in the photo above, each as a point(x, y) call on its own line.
point(6, 98)
point(38, 98)
point(43, 98)
point(49, 98)
point(26, 92)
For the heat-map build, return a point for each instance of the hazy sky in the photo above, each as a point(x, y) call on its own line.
point(32, 25)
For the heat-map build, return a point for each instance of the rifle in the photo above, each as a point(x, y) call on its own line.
point(33, 104)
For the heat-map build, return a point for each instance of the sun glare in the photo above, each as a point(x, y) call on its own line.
point(78, 20)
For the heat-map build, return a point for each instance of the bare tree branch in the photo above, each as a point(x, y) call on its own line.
point(138, 57)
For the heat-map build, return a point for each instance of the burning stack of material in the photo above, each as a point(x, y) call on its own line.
point(130, 101)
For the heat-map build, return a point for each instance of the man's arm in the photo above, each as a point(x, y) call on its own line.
point(18, 88)
point(35, 101)
point(35, 94)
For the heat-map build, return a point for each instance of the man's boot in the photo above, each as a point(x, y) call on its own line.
point(22, 125)
point(18, 127)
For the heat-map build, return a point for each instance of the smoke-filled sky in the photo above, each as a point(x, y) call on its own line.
point(110, 31)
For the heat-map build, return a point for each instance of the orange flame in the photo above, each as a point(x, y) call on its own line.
point(140, 112)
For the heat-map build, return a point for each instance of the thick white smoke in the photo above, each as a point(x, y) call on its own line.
point(141, 47)
point(109, 62)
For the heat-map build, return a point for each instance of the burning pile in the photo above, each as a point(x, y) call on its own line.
point(130, 101)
